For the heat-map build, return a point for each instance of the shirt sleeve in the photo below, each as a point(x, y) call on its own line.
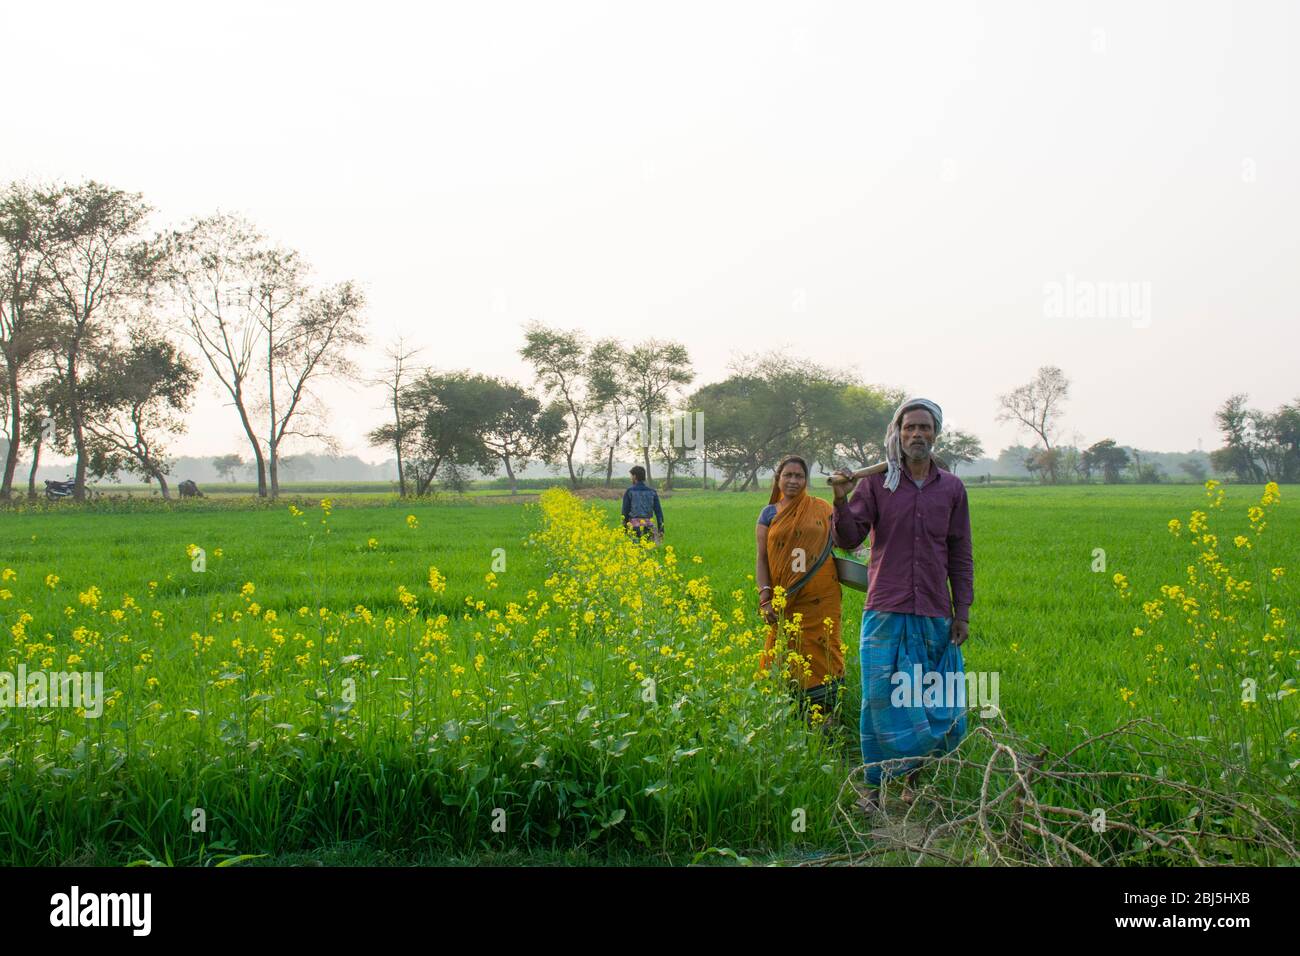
point(854, 518)
point(659, 512)
point(627, 503)
point(961, 562)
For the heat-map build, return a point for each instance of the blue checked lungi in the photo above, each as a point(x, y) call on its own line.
point(892, 643)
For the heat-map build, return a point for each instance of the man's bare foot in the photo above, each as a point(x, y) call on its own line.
point(908, 793)
point(869, 800)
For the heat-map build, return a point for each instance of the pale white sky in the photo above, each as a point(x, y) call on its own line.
point(886, 185)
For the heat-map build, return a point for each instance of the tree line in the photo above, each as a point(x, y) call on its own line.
point(595, 398)
point(107, 327)
point(1258, 446)
point(94, 308)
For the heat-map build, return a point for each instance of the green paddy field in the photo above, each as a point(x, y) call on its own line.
point(304, 688)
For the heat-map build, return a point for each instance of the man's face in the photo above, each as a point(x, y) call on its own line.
point(917, 434)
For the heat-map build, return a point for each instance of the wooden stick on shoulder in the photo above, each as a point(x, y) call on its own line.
point(876, 469)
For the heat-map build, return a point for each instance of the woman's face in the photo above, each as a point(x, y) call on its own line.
point(792, 479)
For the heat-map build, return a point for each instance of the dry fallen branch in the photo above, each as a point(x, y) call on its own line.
point(1135, 794)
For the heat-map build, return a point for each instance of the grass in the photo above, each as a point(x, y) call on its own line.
point(409, 761)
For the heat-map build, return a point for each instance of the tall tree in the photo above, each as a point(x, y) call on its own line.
point(309, 343)
point(957, 447)
point(767, 407)
point(44, 421)
point(1071, 458)
point(854, 426)
point(1036, 405)
point(451, 419)
point(613, 413)
point(655, 371)
point(1284, 432)
point(559, 360)
point(1108, 458)
point(674, 456)
point(1241, 453)
point(25, 328)
point(1045, 463)
point(88, 239)
point(136, 397)
point(278, 288)
point(212, 266)
point(517, 429)
point(1277, 437)
point(227, 465)
point(398, 433)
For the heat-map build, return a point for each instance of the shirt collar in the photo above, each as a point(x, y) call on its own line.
point(931, 477)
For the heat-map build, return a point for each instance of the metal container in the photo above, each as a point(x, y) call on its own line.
point(852, 574)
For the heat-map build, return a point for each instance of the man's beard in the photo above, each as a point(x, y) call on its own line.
point(919, 452)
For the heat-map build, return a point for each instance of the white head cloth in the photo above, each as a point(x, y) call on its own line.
point(893, 440)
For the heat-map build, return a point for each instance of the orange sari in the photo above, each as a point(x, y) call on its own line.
point(805, 522)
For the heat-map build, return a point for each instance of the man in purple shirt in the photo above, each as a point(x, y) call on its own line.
point(920, 590)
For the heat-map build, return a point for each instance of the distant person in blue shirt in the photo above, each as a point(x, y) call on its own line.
point(641, 507)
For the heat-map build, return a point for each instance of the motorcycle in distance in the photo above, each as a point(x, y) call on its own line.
point(58, 490)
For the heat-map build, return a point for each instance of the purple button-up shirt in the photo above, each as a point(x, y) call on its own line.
point(920, 543)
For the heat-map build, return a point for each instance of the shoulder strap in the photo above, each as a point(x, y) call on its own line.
point(826, 553)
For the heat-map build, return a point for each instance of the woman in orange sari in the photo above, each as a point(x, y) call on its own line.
point(792, 534)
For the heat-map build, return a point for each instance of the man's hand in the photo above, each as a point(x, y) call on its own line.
point(959, 631)
point(841, 480)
